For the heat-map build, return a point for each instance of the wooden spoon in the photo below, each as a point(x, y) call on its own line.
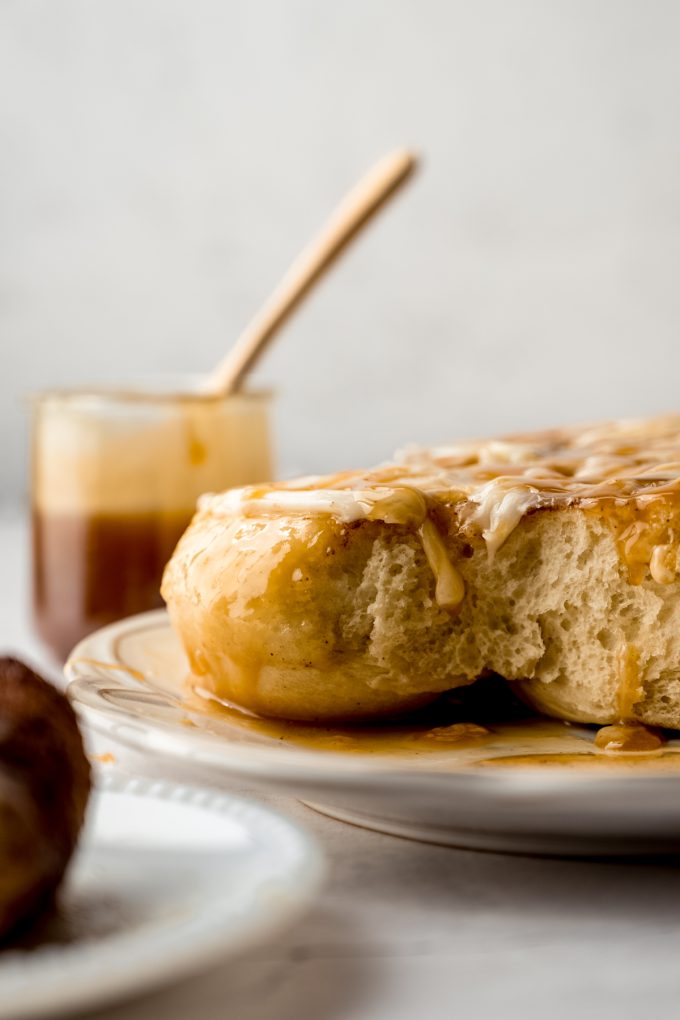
point(353, 213)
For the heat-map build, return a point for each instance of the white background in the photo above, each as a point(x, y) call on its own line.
point(161, 162)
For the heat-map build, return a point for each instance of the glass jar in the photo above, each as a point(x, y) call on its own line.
point(115, 479)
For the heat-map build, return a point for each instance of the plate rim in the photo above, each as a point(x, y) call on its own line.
point(330, 769)
point(120, 972)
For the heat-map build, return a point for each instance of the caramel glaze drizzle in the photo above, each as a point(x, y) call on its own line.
point(403, 505)
point(628, 471)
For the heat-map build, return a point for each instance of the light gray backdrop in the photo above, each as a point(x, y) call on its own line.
point(160, 163)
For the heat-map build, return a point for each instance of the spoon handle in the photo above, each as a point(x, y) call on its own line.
point(354, 212)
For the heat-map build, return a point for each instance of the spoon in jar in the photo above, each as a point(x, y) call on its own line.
point(357, 208)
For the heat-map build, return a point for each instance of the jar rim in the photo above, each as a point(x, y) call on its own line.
point(143, 394)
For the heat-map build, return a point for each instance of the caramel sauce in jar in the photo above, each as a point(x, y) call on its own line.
point(115, 480)
point(92, 569)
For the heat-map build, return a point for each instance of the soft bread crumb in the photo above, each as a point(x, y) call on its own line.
point(303, 618)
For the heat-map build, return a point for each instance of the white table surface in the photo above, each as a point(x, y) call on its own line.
point(404, 930)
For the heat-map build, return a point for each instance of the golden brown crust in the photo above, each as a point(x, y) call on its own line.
point(449, 563)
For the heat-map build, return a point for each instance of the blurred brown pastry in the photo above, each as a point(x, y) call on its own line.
point(550, 559)
point(44, 788)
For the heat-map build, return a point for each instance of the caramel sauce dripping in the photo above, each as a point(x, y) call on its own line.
point(449, 585)
point(401, 505)
point(646, 540)
point(630, 690)
point(629, 736)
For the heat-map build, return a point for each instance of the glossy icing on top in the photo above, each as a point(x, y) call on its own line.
point(493, 483)
point(502, 479)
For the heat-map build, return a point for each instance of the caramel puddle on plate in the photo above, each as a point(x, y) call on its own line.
point(413, 735)
point(667, 762)
point(458, 731)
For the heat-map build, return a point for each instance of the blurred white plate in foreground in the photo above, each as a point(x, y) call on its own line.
point(167, 880)
point(129, 681)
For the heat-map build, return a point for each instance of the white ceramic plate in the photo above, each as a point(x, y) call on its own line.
point(167, 879)
point(128, 680)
